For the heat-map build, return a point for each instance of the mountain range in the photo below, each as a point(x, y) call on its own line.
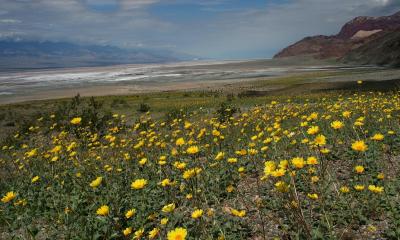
point(363, 40)
point(46, 54)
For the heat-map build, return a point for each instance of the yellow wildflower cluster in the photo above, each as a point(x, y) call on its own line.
point(298, 162)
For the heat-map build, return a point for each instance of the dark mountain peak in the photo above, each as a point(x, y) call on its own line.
point(397, 14)
point(360, 19)
point(369, 24)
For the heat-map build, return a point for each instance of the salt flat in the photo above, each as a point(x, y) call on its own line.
point(137, 78)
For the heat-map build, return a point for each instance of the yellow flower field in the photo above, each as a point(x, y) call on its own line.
point(304, 167)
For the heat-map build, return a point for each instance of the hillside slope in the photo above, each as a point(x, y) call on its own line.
point(363, 39)
point(384, 50)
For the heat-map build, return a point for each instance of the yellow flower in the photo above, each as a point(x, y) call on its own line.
point(130, 213)
point(154, 233)
point(143, 161)
point(76, 120)
point(192, 150)
point(230, 188)
point(279, 172)
point(21, 202)
point(238, 213)
point(344, 189)
point(138, 234)
point(9, 197)
point(95, 183)
point(358, 124)
point(180, 142)
point(337, 125)
point(359, 169)
point(35, 179)
point(372, 228)
point(103, 210)
point(359, 82)
point(164, 221)
point(359, 187)
point(232, 160)
point(32, 153)
point(375, 189)
point(380, 176)
point(314, 179)
point(314, 116)
point(241, 152)
point(191, 173)
point(165, 182)
point(139, 184)
point(127, 231)
point(312, 196)
point(313, 130)
point(378, 137)
point(359, 146)
point(283, 164)
point(168, 208)
point(298, 162)
point(197, 213)
point(281, 186)
point(177, 234)
point(56, 149)
point(320, 140)
point(189, 196)
point(220, 156)
point(312, 160)
point(269, 167)
point(346, 114)
point(187, 125)
point(325, 151)
point(210, 212)
point(179, 165)
point(216, 133)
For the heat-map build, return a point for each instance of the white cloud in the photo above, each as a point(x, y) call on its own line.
point(382, 2)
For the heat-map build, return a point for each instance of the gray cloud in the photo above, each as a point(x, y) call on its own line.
point(228, 34)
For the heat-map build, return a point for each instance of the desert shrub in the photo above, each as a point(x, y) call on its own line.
point(118, 102)
point(230, 97)
point(144, 107)
point(226, 111)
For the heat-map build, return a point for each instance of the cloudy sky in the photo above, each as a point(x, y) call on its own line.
point(222, 29)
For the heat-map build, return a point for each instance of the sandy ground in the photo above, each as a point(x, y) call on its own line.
point(108, 90)
point(46, 84)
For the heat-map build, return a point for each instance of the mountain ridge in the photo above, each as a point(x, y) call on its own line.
point(357, 33)
point(48, 54)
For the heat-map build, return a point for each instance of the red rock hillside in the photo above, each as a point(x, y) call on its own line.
point(354, 34)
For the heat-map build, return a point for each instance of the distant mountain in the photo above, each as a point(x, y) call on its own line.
point(357, 41)
point(34, 54)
